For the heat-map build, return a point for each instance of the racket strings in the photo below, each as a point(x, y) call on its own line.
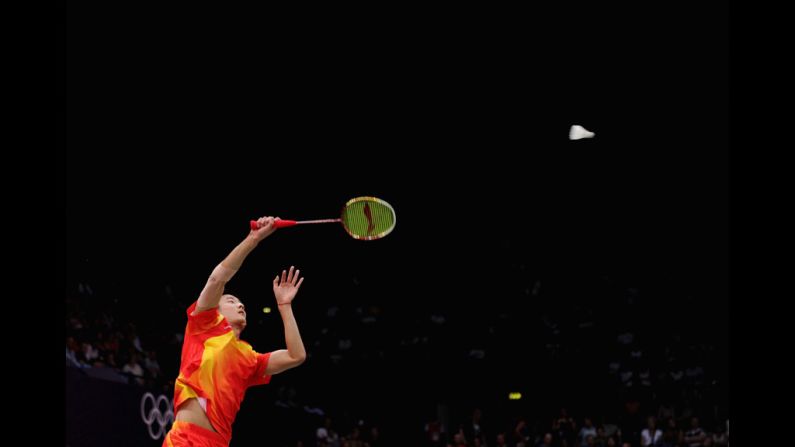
point(368, 218)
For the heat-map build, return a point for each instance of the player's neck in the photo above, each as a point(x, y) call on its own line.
point(237, 329)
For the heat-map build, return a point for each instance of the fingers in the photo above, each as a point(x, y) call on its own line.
point(265, 221)
point(295, 277)
point(291, 277)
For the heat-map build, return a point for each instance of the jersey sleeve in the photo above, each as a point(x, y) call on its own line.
point(202, 321)
point(259, 377)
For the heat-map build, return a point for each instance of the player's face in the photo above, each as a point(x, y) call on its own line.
point(232, 309)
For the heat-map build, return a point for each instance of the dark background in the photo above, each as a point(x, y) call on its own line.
point(185, 122)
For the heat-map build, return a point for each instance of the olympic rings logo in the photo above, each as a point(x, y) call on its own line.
point(163, 417)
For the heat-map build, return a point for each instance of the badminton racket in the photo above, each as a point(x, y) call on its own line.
point(364, 218)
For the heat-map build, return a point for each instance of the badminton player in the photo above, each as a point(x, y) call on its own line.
point(217, 367)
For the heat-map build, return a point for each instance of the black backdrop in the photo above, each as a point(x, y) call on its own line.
point(184, 123)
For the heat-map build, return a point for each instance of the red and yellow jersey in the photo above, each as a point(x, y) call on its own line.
point(217, 368)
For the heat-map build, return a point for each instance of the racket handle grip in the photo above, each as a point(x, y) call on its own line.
point(276, 224)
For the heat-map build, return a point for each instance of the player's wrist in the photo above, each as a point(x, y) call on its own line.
point(254, 239)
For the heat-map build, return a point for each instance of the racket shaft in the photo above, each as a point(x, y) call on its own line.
point(290, 223)
point(317, 221)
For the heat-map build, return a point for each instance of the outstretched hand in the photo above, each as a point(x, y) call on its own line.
point(286, 288)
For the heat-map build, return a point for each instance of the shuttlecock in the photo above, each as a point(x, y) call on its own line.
point(578, 132)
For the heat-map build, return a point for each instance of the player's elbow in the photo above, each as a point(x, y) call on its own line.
point(216, 281)
point(299, 359)
point(221, 274)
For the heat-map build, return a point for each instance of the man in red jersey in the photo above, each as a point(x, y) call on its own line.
point(217, 367)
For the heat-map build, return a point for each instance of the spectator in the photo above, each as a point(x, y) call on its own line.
point(651, 435)
point(151, 364)
point(672, 436)
point(565, 427)
point(547, 441)
point(134, 368)
point(587, 430)
point(521, 433)
point(720, 438)
point(695, 437)
point(474, 427)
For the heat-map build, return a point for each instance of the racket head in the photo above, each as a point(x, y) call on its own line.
point(368, 218)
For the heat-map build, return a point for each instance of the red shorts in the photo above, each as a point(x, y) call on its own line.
point(183, 434)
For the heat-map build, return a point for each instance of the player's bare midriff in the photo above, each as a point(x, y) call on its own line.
point(191, 411)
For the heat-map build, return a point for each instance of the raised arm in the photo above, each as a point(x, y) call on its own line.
point(223, 272)
point(295, 354)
